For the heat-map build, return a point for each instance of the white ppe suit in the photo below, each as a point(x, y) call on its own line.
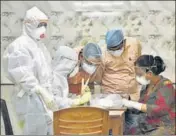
point(64, 63)
point(27, 64)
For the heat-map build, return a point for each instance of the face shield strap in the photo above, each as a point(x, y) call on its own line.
point(93, 61)
point(38, 23)
point(147, 69)
point(89, 63)
point(64, 57)
point(77, 64)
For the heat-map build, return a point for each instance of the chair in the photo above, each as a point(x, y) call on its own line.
point(81, 121)
point(6, 118)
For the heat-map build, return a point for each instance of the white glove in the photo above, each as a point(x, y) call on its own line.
point(132, 104)
point(47, 98)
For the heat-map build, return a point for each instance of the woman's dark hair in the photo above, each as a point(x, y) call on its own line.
point(154, 64)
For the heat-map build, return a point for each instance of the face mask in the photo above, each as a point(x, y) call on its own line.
point(117, 52)
point(74, 72)
point(39, 33)
point(142, 80)
point(88, 68)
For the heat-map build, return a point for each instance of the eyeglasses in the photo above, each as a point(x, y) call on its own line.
point(42, 24)
point(89, 63)
point(142, 70)
point(118, 47)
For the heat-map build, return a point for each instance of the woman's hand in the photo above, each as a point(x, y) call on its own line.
point(132, 104)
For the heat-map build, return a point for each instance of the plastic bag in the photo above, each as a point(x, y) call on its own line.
point(106, 101)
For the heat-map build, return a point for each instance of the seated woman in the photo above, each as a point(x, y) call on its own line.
point(156, 106)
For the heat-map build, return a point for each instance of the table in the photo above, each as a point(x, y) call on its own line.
point(116, 121)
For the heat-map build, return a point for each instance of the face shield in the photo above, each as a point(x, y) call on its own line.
point(92, 57)
point(141, 74)
point(65, 61)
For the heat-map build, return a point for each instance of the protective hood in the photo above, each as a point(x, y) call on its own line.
point(31, 21)
point(65, 60)
point(63, 64)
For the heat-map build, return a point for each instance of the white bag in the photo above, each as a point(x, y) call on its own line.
point(106, 101)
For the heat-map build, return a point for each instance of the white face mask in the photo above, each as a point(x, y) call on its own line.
point(88, 68)
point(39, 33)
point(74, 72)
point(142, 80)
point(117, 52)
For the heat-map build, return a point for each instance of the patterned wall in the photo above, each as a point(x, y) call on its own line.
point(151, 22)
point(76, 23)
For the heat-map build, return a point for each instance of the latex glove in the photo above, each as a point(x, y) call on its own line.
point(47, 98)
point(132, 104)
point(82, 99)
point(87, 89)
point(85, 98)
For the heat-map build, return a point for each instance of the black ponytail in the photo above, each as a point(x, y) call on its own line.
point(160, 66)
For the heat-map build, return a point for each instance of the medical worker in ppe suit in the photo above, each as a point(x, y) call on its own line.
point(27, 64)
point(90, 57)
point(65, 64)
point(118, 60)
